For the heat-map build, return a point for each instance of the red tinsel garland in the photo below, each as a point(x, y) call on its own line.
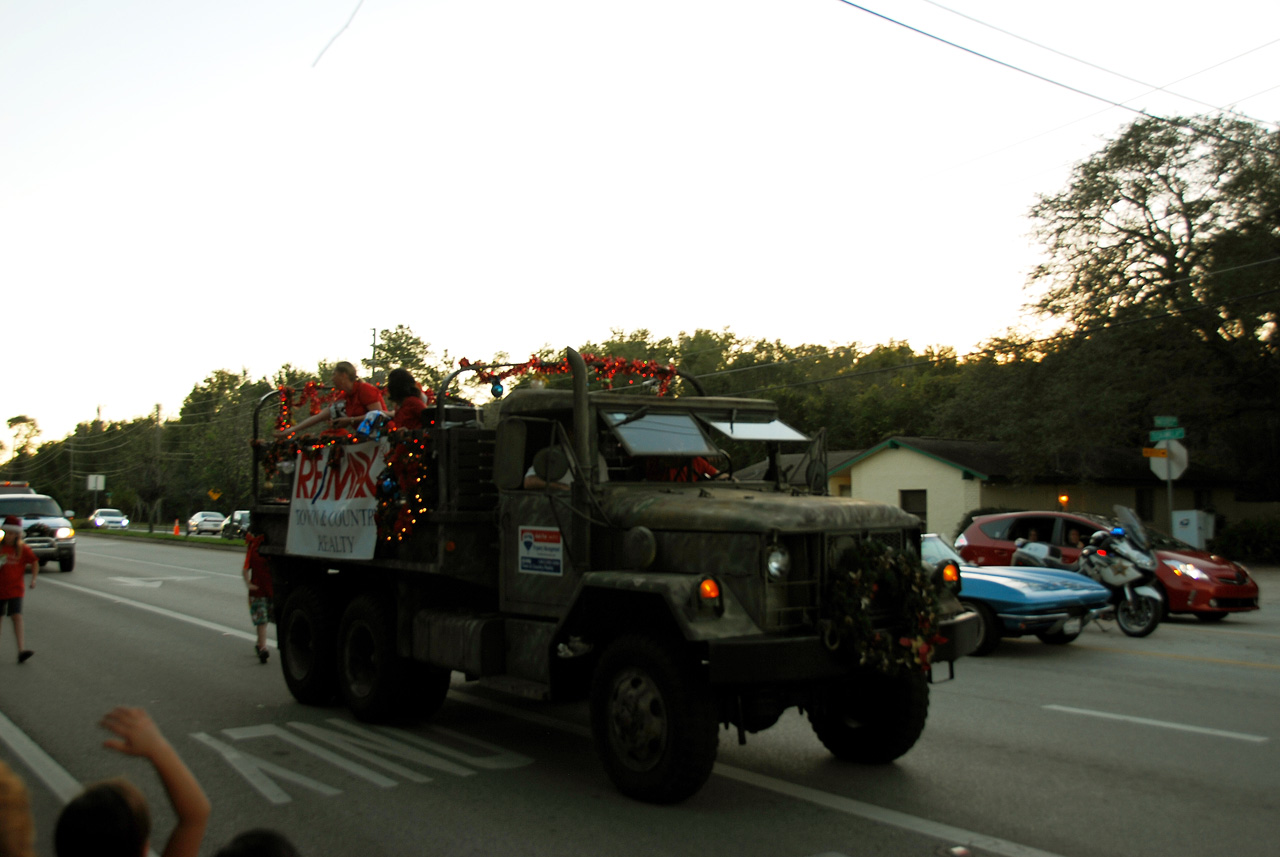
point(607, 367)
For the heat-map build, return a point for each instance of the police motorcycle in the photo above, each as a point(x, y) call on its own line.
point(1122, 560)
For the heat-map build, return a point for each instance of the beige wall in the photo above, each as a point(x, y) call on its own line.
point(883, 475)
point(950, 496)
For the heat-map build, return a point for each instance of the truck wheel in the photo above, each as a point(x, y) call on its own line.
point(873, 718)
point(426, 688)
point(67, 563)
point(653, 720)
point(307, 637)
point(371, 676)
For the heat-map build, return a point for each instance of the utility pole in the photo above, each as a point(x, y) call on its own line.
point(155, 466)
point(373, 364)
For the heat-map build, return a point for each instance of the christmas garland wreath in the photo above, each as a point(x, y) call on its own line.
point(875, 574)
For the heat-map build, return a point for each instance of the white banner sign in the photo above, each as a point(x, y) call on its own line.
point(333, 509)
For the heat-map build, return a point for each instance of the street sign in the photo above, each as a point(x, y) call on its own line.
point(1174, 464)
point(1152, 452)
point(214, 493)
point(1166, 422)
point(1167, 434)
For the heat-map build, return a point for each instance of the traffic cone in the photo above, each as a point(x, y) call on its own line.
point(175, 527)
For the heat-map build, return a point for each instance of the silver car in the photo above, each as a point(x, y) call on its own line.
point(205, 522)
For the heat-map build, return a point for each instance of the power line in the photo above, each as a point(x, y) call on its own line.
point(1037, 76)
point(1150, 86)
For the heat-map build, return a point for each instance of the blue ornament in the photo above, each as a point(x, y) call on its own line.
point(496, 389)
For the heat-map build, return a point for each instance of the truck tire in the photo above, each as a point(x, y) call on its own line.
point(67, 563)
point(372, 678)
point(426, 688)
point(307, 636)
point(873, 718)
point(653, 720)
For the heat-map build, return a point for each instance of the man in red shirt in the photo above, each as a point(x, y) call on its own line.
point(16, 557)
point(355, 399)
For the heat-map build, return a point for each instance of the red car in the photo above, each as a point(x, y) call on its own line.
point(1193, 581)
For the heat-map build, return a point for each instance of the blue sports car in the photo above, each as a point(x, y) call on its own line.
point(1013, 601)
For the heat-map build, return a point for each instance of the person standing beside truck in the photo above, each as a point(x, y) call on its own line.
point(16, 557)
point(257, 576)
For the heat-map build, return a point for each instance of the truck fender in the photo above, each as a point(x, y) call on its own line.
point(696, 618)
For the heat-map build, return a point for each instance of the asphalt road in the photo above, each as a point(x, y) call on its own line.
point(1111, 746)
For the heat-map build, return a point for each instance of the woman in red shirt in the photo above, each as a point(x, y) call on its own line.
point(406, 397)
point(15, 558)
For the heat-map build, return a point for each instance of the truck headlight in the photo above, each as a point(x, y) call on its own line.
point(779, 562)
point(64, 533)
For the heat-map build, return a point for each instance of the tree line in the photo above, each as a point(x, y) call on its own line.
point(1161, 269)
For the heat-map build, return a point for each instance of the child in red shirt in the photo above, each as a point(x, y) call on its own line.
point(15, 557)
point(257, 576)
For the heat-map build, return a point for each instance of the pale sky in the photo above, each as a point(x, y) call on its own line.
point(182, 190)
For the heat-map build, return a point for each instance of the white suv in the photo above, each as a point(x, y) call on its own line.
point(46, 527)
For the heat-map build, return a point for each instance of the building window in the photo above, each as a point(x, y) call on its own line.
point(1144, 503)
point(917, 503)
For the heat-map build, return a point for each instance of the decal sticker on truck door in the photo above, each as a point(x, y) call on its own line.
point(541, 551)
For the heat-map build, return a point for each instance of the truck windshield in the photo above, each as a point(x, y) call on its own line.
point(659, 434)
point(758, 430)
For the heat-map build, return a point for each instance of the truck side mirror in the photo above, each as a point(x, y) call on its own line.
point(508, 456)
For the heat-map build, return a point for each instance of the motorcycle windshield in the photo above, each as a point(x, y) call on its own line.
point(1133, 527)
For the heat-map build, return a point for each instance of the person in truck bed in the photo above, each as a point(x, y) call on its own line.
point(355, 399)
point(406, 397)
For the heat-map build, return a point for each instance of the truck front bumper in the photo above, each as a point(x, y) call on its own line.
point(959, 636)
point(768, 660)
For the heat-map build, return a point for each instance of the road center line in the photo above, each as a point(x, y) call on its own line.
point(172, 614)
point(1163, 724)
point(160, 564)
point(849, 806)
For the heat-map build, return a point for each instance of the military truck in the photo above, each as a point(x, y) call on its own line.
point(547, 546)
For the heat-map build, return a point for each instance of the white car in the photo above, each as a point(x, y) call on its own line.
point(108, 519)
point(205, 522)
